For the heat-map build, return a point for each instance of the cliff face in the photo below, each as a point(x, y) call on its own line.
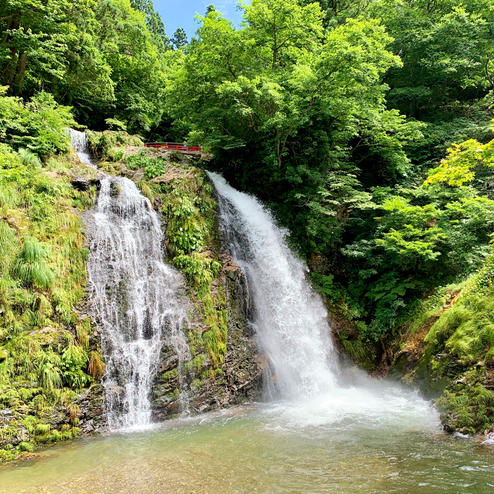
point(223, 368)
point(237, 380)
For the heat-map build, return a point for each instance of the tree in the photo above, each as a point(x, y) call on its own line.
point(40, 45)
point(446, 55)
point(282, 105)
point(99, 56)
point(137, 65)
point(154, 22)
point(179, 38)
point(462, 163)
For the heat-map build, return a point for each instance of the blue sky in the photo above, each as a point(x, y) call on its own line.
point(180, 13)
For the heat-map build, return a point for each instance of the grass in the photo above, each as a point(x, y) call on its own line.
point(43, 339)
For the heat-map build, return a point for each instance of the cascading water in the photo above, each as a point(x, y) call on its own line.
point(291, 325)
point(80, 143)
point(290, 321)
point(137, 300)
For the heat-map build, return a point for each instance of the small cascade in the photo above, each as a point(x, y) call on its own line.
point(136, 299)
point(304, 376)
point(80, 143)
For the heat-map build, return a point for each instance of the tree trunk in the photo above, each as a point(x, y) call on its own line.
point(10, 69)
point(21, 72)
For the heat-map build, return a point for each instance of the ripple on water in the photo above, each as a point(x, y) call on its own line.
point(240, 452)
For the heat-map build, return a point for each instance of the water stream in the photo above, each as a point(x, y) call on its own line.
point(80, 143)
point(137, 300)
point(306, 381)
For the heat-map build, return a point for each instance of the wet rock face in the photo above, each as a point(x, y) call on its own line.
point(240, 377)
point(90, 402)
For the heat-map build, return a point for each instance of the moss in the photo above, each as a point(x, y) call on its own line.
point(196, 383)
point(26, 446)
point(174, 394)
point(467, 405)
point(106, 144)
point(168, 375)
point(358, 351)
point(43, 340)
point(456, 361)
point(197, 363)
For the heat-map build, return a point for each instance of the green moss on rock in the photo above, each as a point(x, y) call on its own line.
point(453, 361)
point(43, 338)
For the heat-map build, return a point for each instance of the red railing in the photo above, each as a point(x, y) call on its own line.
point(173, 145)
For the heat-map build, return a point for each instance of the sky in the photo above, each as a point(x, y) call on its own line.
point(180, 13)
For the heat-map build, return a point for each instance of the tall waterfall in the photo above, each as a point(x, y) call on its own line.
point(290, 322)
point(290, 319)
point(137, 300)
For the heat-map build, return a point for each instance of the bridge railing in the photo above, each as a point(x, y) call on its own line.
point(173, 146)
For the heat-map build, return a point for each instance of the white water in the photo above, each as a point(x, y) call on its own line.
point(304, 378)
point(80, 143)
point(137, 300)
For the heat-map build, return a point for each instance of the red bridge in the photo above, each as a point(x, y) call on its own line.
point(173, 145)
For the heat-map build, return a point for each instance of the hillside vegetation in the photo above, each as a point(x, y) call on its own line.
point(47, 351)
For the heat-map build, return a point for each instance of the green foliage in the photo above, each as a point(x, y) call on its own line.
point(115, 124)
point(456, 360)
point(336, 113)
point(42, 279)
point(154, 168)
point(39, 126)
point(171, 374)
point(423, 237)
point(462, 162)
point(73, 365)
point(31, 266)
point(440, 63)
point(468, 408)
point(49, 376)
point(466, 330)
point(184, 228)
point(106, 144)
point(200, 270)
point(103, 57)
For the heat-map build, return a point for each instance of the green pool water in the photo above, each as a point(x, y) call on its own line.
point(261, 449)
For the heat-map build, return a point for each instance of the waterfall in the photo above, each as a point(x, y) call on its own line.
point(80, 143)
point(290, 320)
point(292, 330)
point(137, 301)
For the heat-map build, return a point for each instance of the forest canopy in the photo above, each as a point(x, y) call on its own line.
point(364, 125)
